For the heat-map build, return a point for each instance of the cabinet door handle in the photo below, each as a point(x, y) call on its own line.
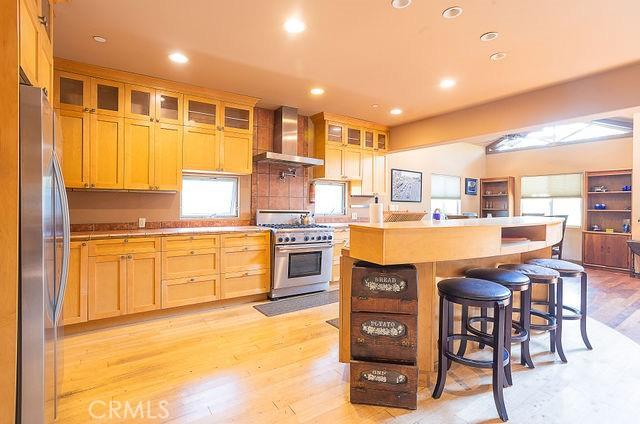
point(43, 20)
point(92, 111)
point(86, 109)
point(86, 185)
point(129, 257)
point(83, 244)
point(151, 119)
point(157, 120)
point(192, 280)
point(192, 252)
point(93, 185)
point(126, 240)
point(122, 256)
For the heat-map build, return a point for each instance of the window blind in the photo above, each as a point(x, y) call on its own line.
point(445, 186)
point(564, 185)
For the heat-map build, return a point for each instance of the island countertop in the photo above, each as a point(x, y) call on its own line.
point(391, 243)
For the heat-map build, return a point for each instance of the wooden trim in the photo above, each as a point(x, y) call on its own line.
point(152, 82)
point(9, 213)
point(325, 116)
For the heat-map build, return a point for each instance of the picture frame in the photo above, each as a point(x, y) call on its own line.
point(406, 186)
point(471, 186)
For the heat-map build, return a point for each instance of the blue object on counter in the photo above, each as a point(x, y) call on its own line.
point(437, 215)
point(626, 188)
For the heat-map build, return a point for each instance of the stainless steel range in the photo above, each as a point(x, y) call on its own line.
point(301, 254)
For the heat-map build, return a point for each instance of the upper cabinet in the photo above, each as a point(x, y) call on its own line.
point(127, 132)
point(36, 52)
point(351, 149)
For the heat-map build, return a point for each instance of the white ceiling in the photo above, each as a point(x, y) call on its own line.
point(362, 52)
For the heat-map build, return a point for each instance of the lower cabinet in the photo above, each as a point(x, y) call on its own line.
point(123, 284)
point(606, 250)
point(190, 263)
point(188, 291)
point(245, 258)
point(237, 284)
point(340, 240)
point(75, 296)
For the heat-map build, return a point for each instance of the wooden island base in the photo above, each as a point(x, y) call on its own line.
point(439, 242)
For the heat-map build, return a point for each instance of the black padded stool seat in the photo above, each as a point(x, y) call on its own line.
point(534, 272)
point(558, 265)
point(473, 292)
point(473, 289)
point(501, 276)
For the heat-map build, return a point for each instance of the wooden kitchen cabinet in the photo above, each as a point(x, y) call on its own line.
point(75, 126)
point(36, 51)
point(369, 139)
point(138, 154)
point(107, 286)
point(107, 151)
point(167, 157)
point(200, 112)
point(340, 240)
point(29, 27)
point(194, 242)
point(140, 103)
point(258, 238)
point(245, 258)
point(236, 156)
point(74, 309)
point(189, 291)
point(72, 92)
point(354, 137)
point(352, 163)
point(143, 282)
point(333, 162)
point(335, 133)
point(200, 149)
point(382, 140)
point(606, 250)
point(107, 97)
point(380, 173)
point(237, 284)
point(168, 107)
point(118, 246)
point(237, 118)
point(190, 263)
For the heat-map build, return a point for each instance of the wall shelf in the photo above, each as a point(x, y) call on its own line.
point(497, 196)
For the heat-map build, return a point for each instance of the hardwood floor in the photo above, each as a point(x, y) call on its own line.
point(236, 365)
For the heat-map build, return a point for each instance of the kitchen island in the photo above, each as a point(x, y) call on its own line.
point(441, 249)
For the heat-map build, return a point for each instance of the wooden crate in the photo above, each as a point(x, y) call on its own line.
point(384, 384)
point(386, 289)
point(383, 337)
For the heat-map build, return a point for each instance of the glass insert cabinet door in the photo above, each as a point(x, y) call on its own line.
point(107, 97)
point(335, 133)
point(354, 136)
point(381, 140)
point(168, 107)
point(140, 102)
point(238, 118)
point(369, 139)
point(200, 112)
point(72, 92)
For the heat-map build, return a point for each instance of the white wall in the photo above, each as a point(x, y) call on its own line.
point(460, 159)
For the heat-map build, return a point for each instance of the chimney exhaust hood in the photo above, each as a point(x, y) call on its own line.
point(285, 141)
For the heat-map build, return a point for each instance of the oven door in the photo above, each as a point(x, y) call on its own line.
point(300, 265)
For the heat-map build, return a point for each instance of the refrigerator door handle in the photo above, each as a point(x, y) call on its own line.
point(66, 237)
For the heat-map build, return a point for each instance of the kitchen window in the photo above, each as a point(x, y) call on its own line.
point(445, 194)
point(330, 198)
point(553, 195)
point(209, 196)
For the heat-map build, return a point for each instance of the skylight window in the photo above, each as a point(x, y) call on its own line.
point(562, 134)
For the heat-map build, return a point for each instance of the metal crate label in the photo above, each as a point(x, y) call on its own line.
point(384, 283)
point(383, 376)
point(390, 328)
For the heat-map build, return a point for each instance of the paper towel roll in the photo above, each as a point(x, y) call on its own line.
point(375, 213)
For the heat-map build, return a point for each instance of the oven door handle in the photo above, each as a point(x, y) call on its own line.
point(287, 249)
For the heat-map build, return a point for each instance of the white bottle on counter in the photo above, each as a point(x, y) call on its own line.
point(375, 212)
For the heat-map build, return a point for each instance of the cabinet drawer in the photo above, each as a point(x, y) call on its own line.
point(338, 245)
point(245, 239)
point(190, 263)
point(247, 258)
point(120, 246)
point(387, 289)
point(188, 291)
point(190, 242)
point(238, 284)
point(384, 384)
point(341, 234)
point(385, 337)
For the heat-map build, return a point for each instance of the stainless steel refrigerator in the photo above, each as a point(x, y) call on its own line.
point(44, 259)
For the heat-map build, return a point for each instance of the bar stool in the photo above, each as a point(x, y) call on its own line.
point(553, 317)
point(482, 294)
point(568, 270)
point(516, 283)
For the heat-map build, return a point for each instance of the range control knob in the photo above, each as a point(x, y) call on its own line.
point(330, 237)
point(293, 239)
point(279, 239)
point(286, 239)
point(324, 237)
point(306, 238)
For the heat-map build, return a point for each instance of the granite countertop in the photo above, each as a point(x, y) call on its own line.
point(95, 235)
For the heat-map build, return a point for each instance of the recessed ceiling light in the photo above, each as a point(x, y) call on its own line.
point(178, 57)
point(400, 4)
point(294, 26)
point(99, 39)
point(452, 12)
point(488, 36)
point(375, 105)
point(395, 111)
point(317, 91)
point(447, 83)
point(498, 56)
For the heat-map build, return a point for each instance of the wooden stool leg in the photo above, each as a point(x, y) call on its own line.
point(558, 332)
point(450, 318)
point(552, 312)
point(583, 310)
point(498, 369)
point(525, 322)
point(442, 341)
point(463, 330)
point(483, 324)
point(507, 341)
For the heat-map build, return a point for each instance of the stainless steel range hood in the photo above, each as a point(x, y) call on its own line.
point(285, 141)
